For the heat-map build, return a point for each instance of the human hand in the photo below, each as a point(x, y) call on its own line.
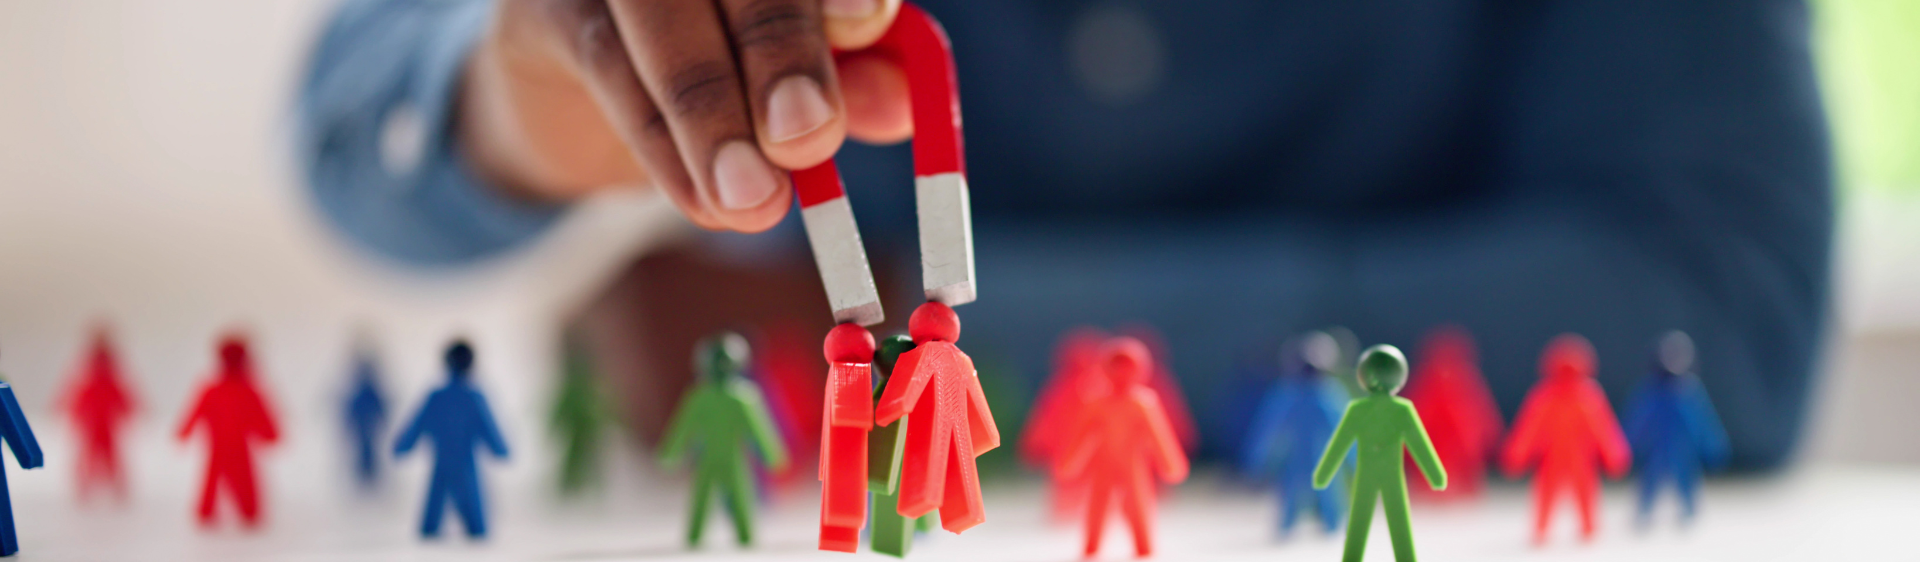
point(709, 101)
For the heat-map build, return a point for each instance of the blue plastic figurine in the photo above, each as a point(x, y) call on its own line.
point(1673, 429)
point(456, 417)
point(366, 418)
point(26, 449)
point(1291, 429)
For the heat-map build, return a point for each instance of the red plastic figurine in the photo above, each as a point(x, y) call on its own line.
point(950, 424)
point(1121, 443)
point(99, 405)
point(1076, 380)
point(847, 419)
point(1564, 429)
point(235, 416)
point(1457, 410)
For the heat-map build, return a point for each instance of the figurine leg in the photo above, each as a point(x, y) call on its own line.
point(245, 493)
point(1399, 525)
point(9, 542)
point(961, 507)
point(1096, 516)
point(1137, 502)
point(1359, 521)
point(1330, 507)
point(739, 491)
point(697, 514)
point(1649, 490)
point(208, 493)
point(1544, 490)
point(923, 464)
point(1289, 507)
point(473, 512)
point(892, 532)
point(1687, 481)
point(1586, 495)
point(436, 508)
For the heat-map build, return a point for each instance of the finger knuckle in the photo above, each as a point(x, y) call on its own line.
point(703, 89)
point(774, 26)
point(599, 45)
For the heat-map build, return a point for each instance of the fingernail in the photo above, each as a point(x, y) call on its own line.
point(850, 9)
point(796, 108)
point(741, 178)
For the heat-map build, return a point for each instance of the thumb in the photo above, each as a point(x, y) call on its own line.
point(854, 24)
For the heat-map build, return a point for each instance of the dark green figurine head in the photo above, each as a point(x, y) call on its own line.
point(720, 356)
point(1382, 369)
point(890, 350)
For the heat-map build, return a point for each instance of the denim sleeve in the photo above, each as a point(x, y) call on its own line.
point(380, 60)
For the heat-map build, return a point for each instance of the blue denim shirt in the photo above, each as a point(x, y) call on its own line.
point(1235, 171)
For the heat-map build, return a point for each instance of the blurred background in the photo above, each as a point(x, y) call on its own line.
point(146, 180)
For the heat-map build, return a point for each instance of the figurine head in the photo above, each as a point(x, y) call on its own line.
point(849, 343)
point(889, 354)
point(1568, 356)
point(1675, 354)
point(234, 360)
point(1312, 353)
point(933, 322)
point(720, 356)
point(1382, 369)
point(459, 359)
point(1125, 361)
point(1446, 351)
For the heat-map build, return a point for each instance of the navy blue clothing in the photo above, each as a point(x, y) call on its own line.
point(1237, 171)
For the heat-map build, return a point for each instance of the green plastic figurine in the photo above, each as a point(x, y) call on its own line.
point(1380, 424)
point(720, 417)
point(580, 417)
point(892, 532)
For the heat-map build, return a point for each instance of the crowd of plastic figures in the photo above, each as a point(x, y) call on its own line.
point(904, 417)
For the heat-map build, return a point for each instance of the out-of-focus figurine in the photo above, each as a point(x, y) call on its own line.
point(1566, 428)
point(235, 417)
point(1292, 427)
point(99, 405)
point(719, 419)
point(1673, 429)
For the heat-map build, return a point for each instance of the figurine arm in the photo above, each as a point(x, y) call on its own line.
point(18, 434)
point(908, 380)
point(1265, 444)
point(1343, 438)
point(760, 425)
point(411, 435)
point(193, 418)
point(1079, 444)
point(1518, 452)
point(680, 429)
point(263, 424)
point(1169, 458)
point(1414, 434)
point(489, 430)
point(1615, 456)
point(1638, 420)
point(1709, 436)
point(985, 434)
